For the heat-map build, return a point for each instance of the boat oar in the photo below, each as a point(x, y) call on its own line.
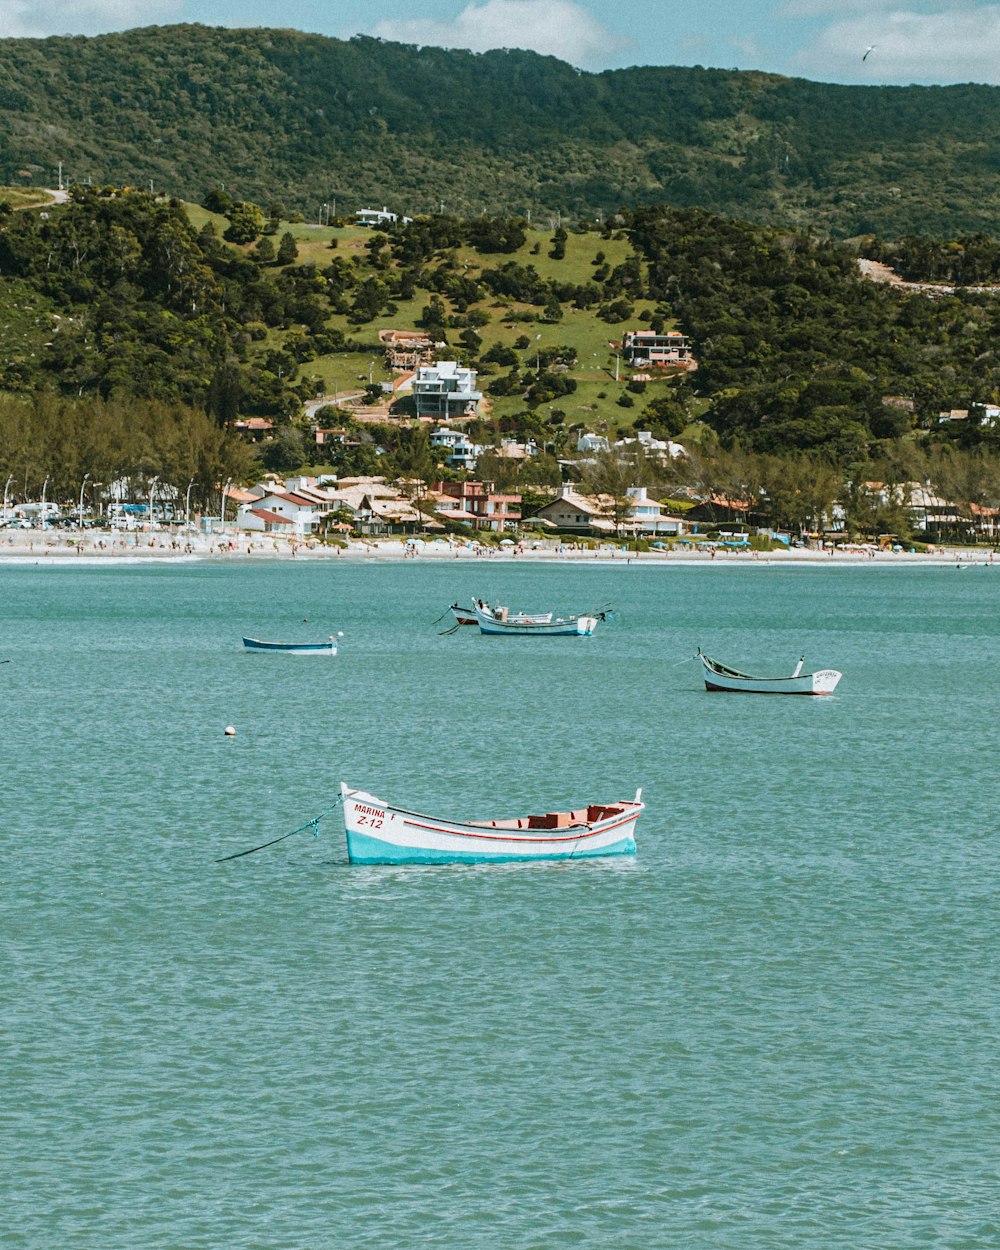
point(311, 824)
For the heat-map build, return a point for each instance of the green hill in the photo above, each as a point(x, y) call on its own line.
point(277, 115)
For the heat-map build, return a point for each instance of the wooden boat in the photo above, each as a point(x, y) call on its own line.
point(463, 616)
point(293, 648)
point(467, 616)
point(721, 677)
point(500, 621)
point(378, 833)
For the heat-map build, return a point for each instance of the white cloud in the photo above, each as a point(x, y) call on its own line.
point(954, 46)
point(34, 19)
point(559, 28)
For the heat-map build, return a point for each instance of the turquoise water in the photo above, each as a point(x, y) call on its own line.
point(776, 1026)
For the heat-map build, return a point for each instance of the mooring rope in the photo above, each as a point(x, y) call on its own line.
point(310, 824)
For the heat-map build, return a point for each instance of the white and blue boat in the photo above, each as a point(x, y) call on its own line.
point(498, 620)
point(293, 648)
point(379, 833)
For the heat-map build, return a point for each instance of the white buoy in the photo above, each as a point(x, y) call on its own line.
point(230, 731)
point(340, 633)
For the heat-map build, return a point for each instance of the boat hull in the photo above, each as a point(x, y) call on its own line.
point(378, 833)
point(292, 648)
point(572, 626)
point(823, 681)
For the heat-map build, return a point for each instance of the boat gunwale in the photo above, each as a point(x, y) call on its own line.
point(499, 834)
point(713, 666)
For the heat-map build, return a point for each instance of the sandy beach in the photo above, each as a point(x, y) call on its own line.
point(108, 545)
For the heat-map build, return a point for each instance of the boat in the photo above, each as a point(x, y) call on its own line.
point(293, 648)
point(467, 616)
point(497, 620)
point(463, 616)
point(379, 833)
point(722, 677)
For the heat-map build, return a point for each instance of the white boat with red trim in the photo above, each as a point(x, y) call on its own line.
point(380, 833)
point(722, 677)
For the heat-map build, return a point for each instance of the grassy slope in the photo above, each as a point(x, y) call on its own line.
point(581, 329)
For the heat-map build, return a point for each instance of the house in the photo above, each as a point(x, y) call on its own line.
point(302, 513)
point(489, 509)
point(579, 514)
point(263, 521)
point(590, 444)
point(594, 514)
point(655, 448)
point(668, 348)
point(462, 453)
point(713, 510)
point(646, 516)
point(256, 429)
point(378, 217)
point(446, 389)
point(379, 514)
point(406, 349)
point(510, 449)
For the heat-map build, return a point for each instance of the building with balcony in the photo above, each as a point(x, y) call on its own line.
point(646, 347)
point(488, 508)
point(446, 389)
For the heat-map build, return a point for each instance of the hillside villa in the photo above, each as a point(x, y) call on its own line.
point(446, 389)
point(669, 348)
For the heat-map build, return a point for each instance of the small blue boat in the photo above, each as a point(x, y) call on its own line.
point(293, 648)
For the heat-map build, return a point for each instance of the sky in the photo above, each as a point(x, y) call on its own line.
point(910, 41)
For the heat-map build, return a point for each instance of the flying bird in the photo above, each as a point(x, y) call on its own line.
point(870, 48)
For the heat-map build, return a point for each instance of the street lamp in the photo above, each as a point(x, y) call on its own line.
point(79, 518)
point(225, 492)
point(187, 503)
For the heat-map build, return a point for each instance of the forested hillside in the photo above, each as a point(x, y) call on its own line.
point(276, 115)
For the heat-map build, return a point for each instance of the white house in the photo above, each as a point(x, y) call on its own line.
point(662, 448)
point(591, 443)
point(302, 513)
point(646, 516)
point(378, 217)
point(446, 389)
point(646, 347)
point(462, 453)
point(263, 521)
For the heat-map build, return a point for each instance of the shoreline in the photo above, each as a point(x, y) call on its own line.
point(104, 546)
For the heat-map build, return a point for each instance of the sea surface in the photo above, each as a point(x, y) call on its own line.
point(778, 1025)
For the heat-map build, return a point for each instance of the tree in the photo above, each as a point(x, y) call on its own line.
point(287, 249)
point(610, 476)
point(246, 221)
point(218, 201)
point(286, 453)
point(264, 253)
